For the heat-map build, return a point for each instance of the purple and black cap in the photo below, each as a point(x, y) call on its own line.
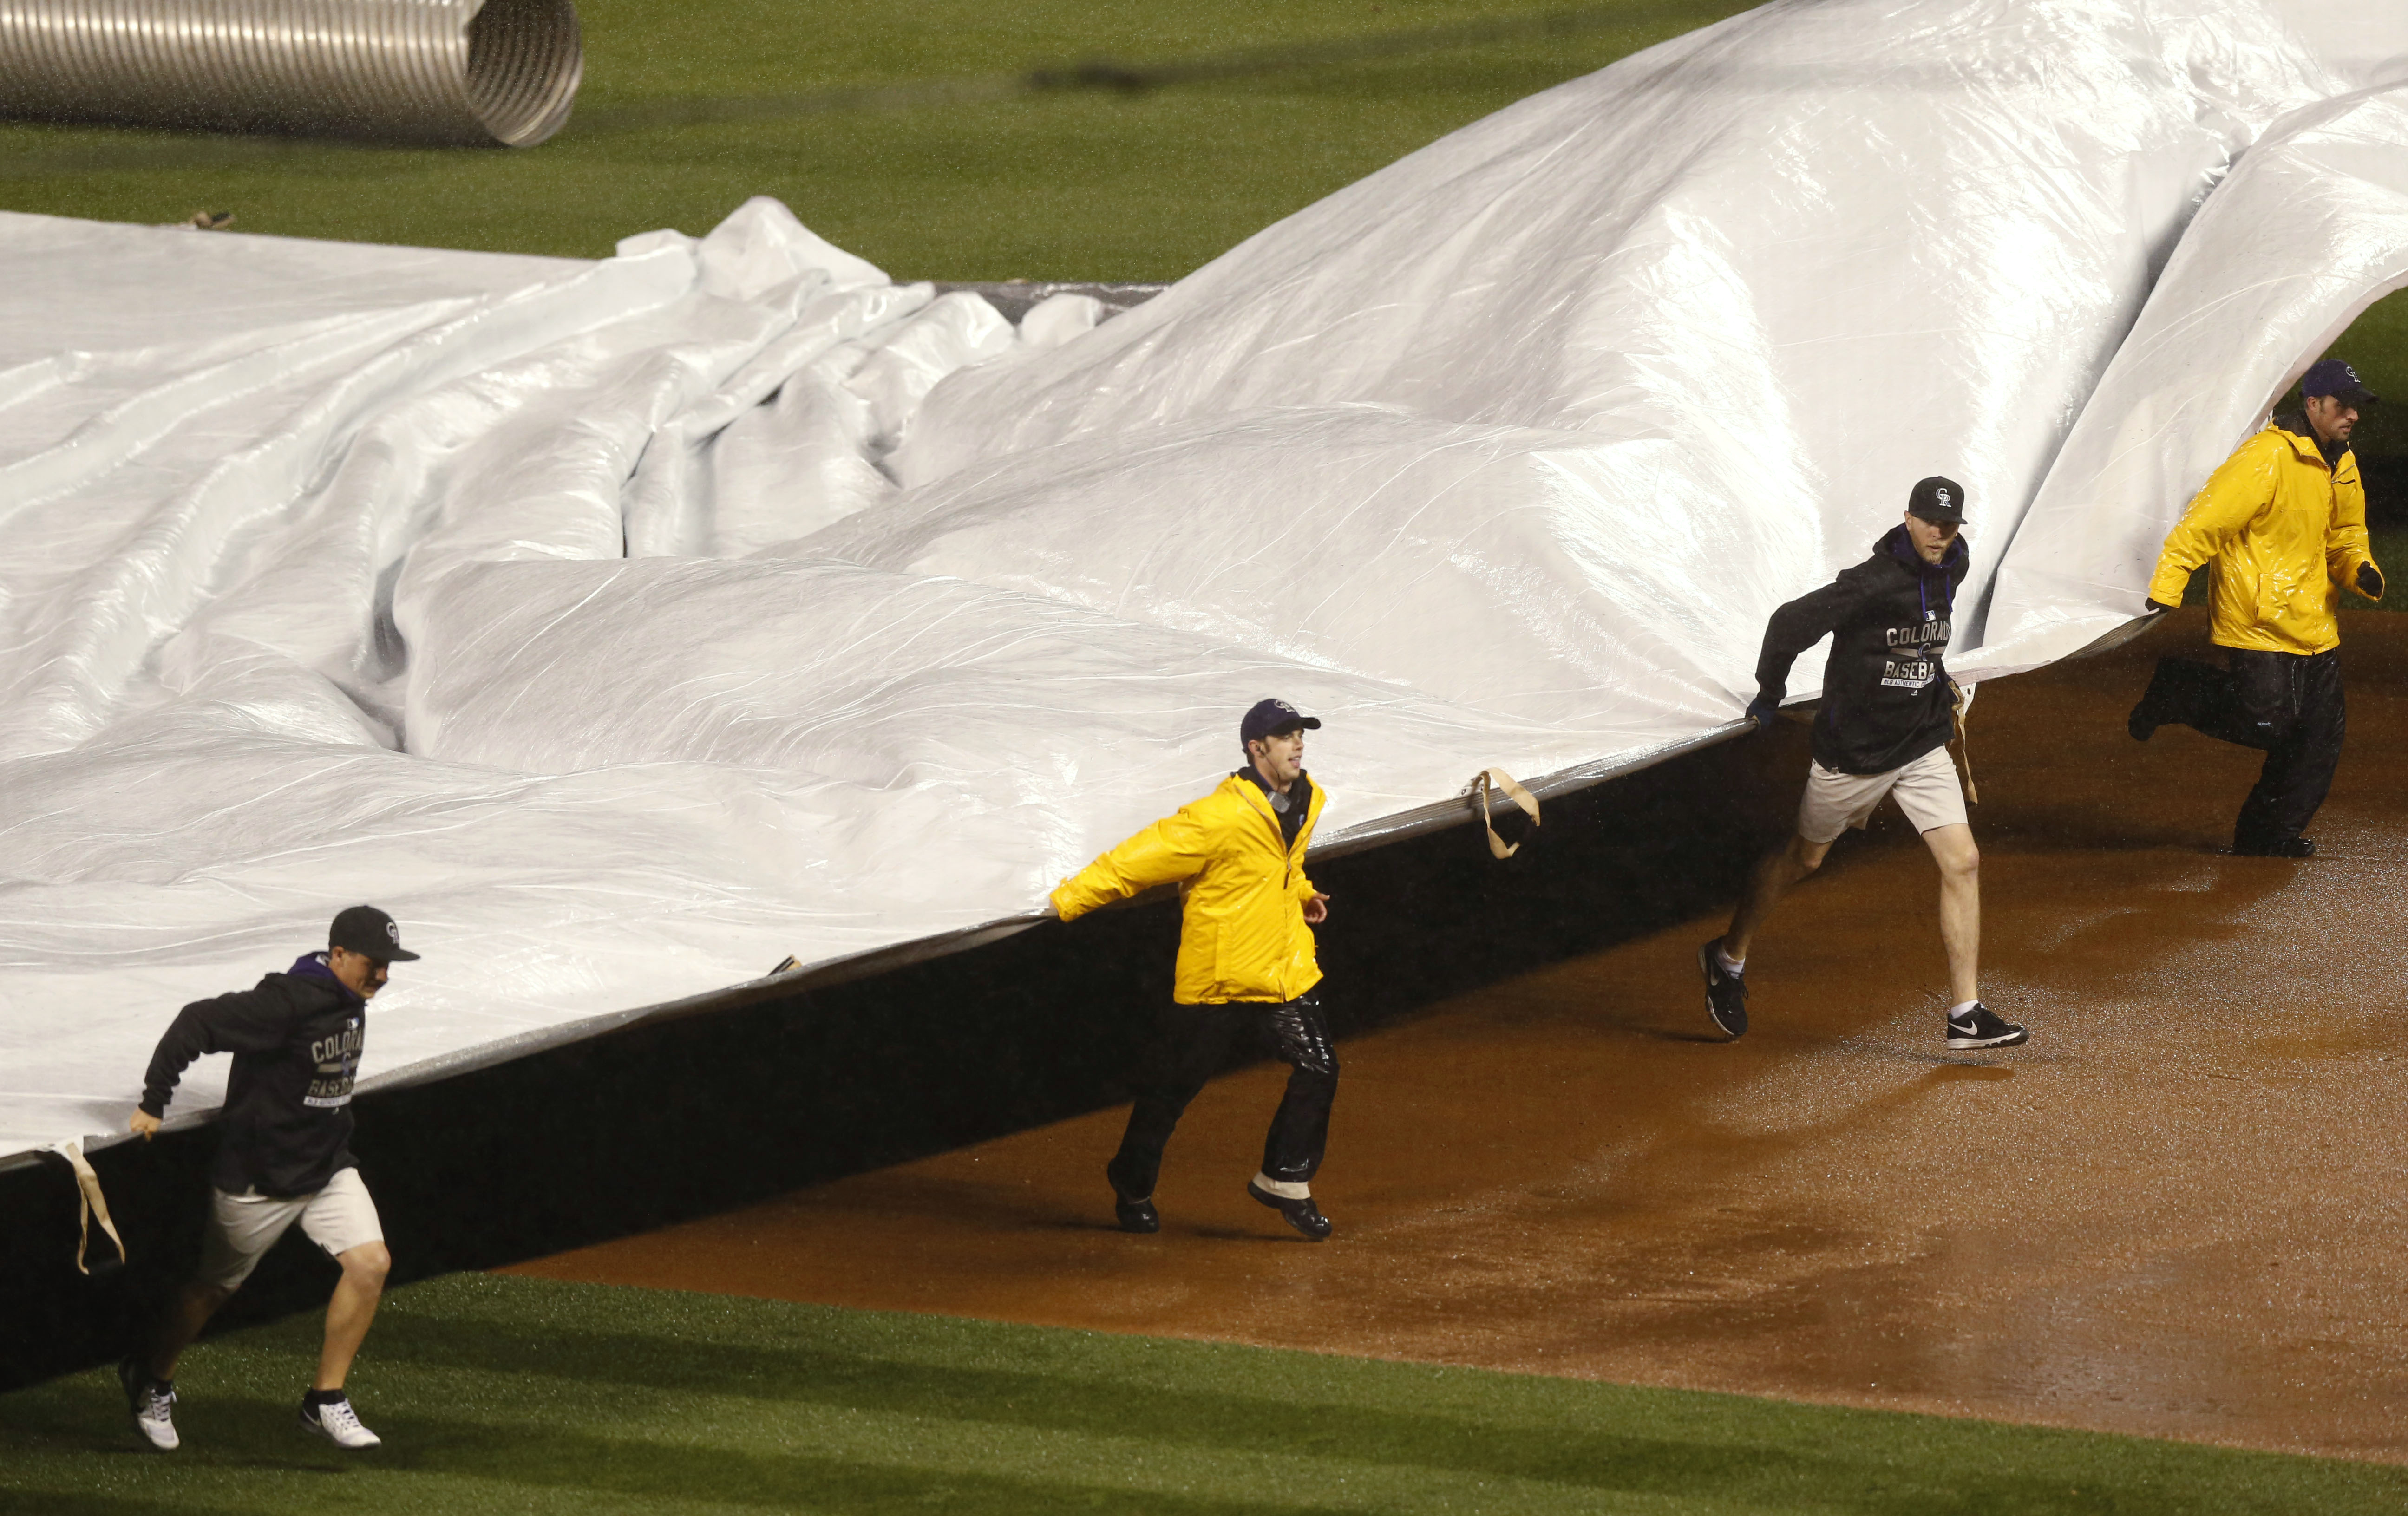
point(370, 932)
point(2336, 379)
point(1269, 718)
point(1940, 501)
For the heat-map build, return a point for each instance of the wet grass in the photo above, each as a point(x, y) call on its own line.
point(516, 1394)
point(1138, 183)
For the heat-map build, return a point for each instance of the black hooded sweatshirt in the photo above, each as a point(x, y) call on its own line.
point(1886, 696)
point(295, 1040)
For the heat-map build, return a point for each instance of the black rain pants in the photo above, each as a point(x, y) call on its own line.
point(2287, 704)
point(1191, 1044)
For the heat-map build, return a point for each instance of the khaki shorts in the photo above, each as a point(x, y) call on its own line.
point(242, 1227)
point(1927, 789)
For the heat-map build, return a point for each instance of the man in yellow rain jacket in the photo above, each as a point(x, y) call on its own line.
point(2284, 522)
point(1245, 962)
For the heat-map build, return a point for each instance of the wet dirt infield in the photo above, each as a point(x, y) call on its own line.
point(2176, 1212)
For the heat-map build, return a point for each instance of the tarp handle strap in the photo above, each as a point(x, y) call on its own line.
point(1497, 779)
point(90, 1203)
point(1961, 700)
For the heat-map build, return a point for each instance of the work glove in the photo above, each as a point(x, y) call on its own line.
point(1762, 709)
point(2370, 581)
point(2155, 607)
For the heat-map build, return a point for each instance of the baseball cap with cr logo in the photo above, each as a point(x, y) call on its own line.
point(1940, 501)
point(370, 932)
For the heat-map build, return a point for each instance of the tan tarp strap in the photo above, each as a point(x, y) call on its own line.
point(1960, 703)
point(1497, 779)
point(90, 1203)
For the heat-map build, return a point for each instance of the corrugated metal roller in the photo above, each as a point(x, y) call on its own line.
point(466, 72)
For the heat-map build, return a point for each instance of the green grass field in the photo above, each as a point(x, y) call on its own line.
point(507, 1394)
point(1078, 184)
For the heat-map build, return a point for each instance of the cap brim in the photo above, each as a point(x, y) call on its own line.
point(399, 955)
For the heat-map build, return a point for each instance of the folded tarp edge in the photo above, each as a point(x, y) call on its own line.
point(1457, 810)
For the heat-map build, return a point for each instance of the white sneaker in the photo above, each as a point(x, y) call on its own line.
point(153, 1408)
point(340, 1424)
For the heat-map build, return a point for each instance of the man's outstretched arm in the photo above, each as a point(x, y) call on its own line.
point(1794, 628)
point(1174, 849)
point(227, 1023)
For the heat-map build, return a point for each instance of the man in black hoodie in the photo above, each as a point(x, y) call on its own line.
point(1888, 709)
point(285, 1157)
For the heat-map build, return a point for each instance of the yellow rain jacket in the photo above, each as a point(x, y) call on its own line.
point(2285, 533)
point(1241, 936)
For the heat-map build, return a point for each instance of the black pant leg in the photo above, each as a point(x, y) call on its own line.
point(2297, 701)
point(2203, 698)
point(1189, 1045)
point(1299, 1132)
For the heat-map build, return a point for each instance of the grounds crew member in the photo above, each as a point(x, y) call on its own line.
point(2283, 524)
point(1888, 708)
point(1245, 964)
point(284, 1157)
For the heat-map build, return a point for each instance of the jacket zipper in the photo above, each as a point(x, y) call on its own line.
point(1280, 837)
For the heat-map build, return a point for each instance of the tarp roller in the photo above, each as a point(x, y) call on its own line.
point(464, 73)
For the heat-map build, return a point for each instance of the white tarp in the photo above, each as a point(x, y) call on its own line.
point(624, 626)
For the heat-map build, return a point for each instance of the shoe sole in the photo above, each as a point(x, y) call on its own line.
point(1706, 970)
point(1969, 1044)
point(1272, 1201)
point(317, 1431)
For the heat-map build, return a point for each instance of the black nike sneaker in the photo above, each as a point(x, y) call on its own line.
point(1725, 992)
point(1980, 1027)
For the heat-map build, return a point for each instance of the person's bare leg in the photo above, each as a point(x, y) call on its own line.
point(191, 1310)
point(1772, 878)
point(1961, 908)
point(349, 1313)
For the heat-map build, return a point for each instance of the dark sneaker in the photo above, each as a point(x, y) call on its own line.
point(2149, 714)
point(338, 1424)
point(2290, 847)
point(1980, 1027)
point(1725, 992)
point(153, 1405)
point(1303, 1214)
point(2142, 724)
point(1135, 1215)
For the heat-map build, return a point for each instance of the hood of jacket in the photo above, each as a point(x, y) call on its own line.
point(1941, 578)
point(314, 968)
point(2294, 424)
